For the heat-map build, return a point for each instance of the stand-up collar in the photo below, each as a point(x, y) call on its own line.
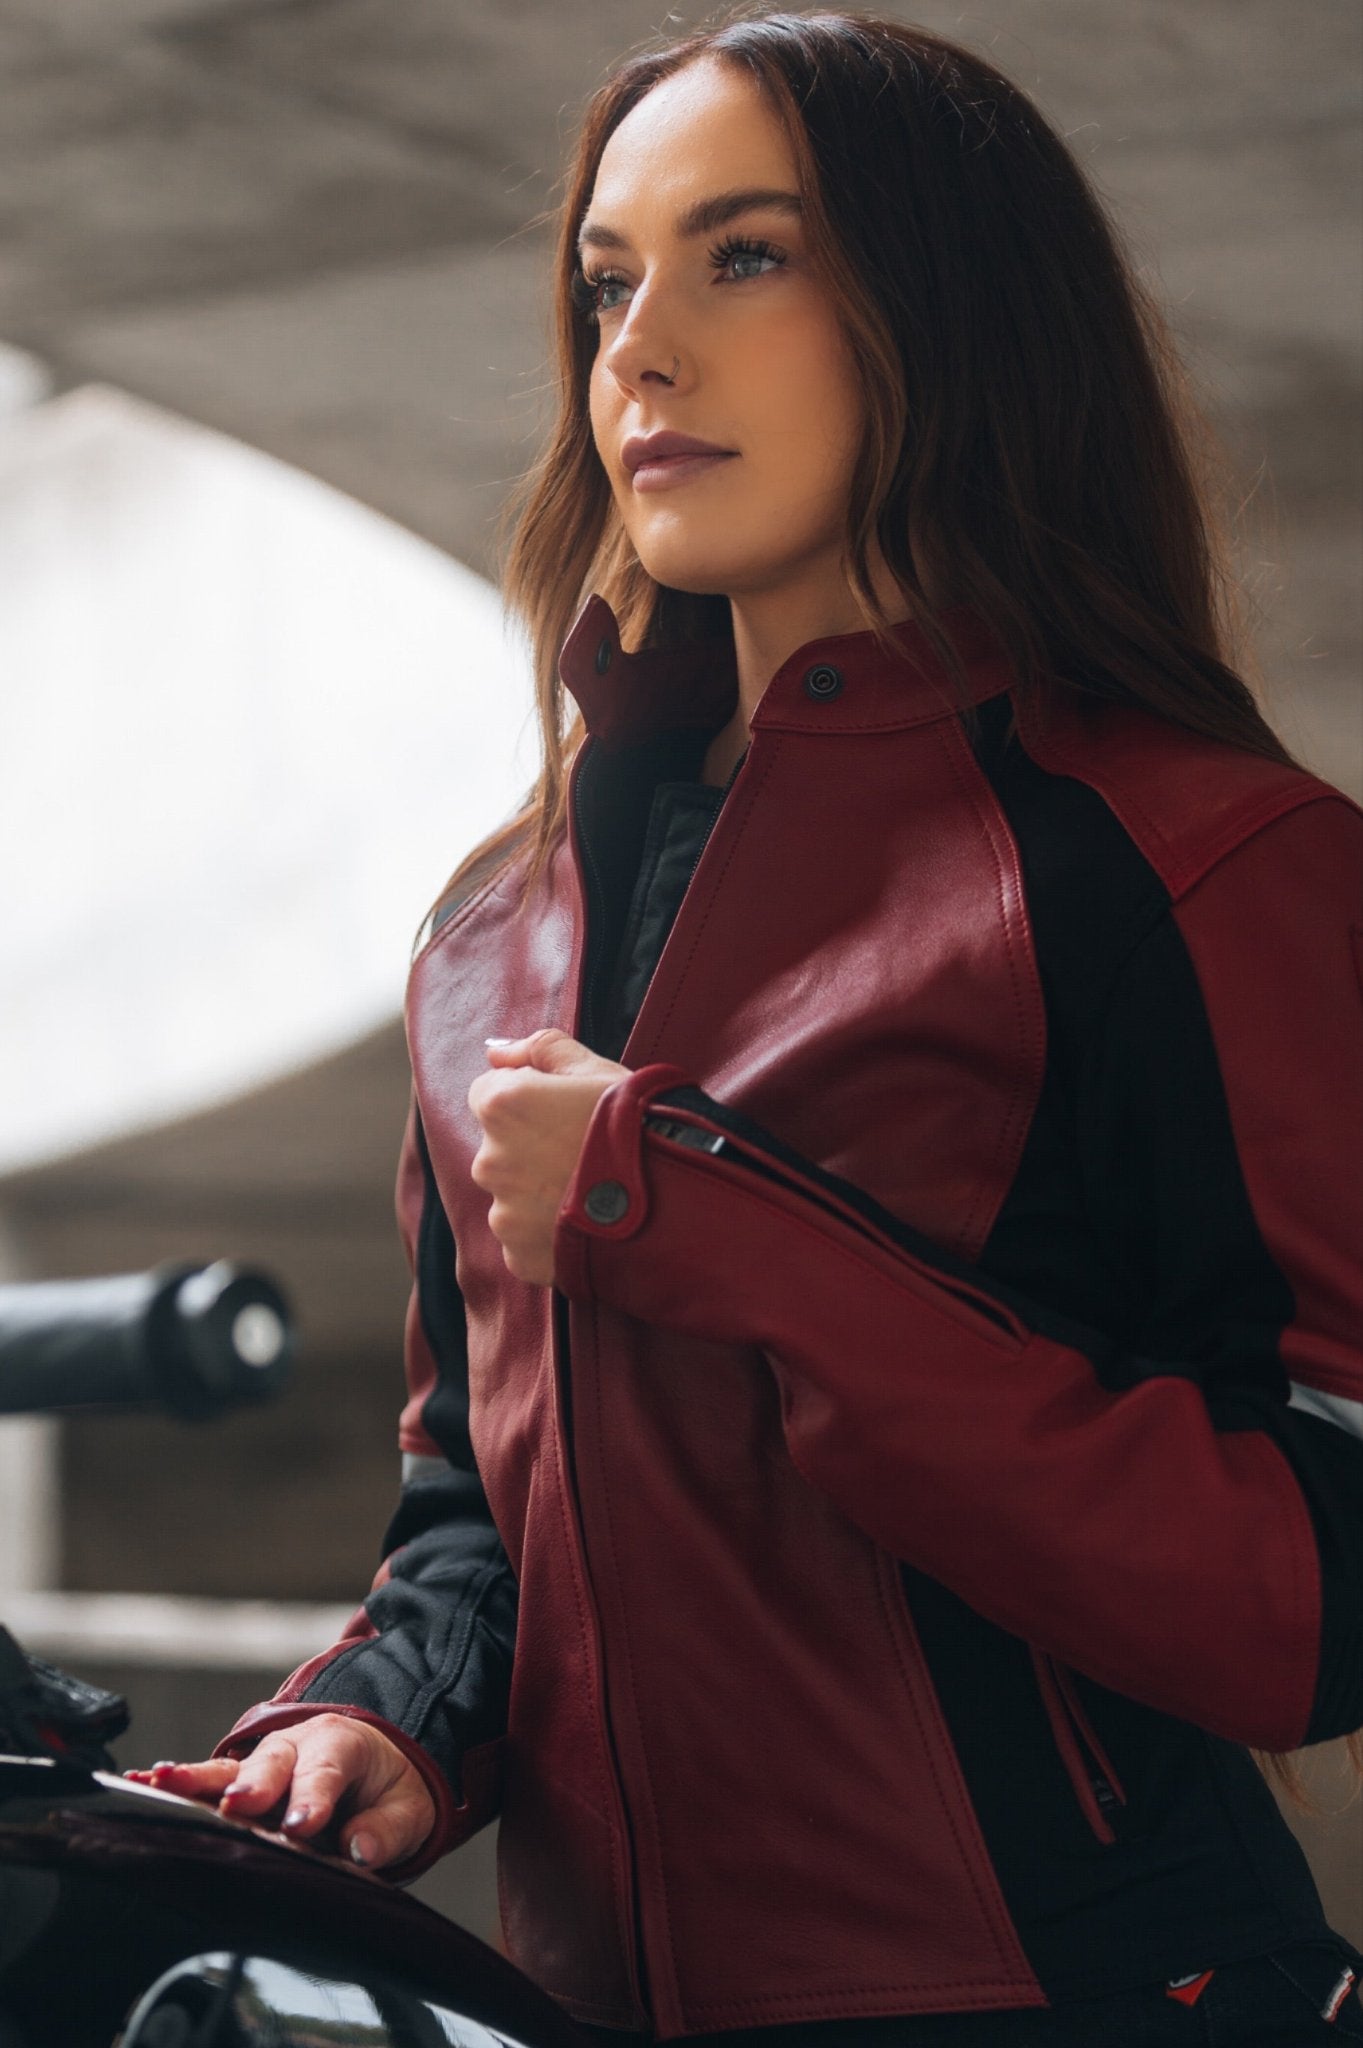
point(845, 683)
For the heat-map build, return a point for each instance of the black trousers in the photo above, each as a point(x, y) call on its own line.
point(1293, 1998)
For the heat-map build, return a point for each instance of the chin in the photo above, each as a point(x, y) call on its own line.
point(705, 571)
point(681, 572)
point(697, 583)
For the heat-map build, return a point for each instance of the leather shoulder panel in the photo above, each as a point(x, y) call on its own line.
point(1185, 800)
point(483, 872)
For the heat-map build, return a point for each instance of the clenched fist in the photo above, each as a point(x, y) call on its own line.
point(534, 1108)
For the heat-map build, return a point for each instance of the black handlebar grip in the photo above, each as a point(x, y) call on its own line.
point(191, 1339)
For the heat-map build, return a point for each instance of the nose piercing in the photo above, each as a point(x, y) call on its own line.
point(676, 366)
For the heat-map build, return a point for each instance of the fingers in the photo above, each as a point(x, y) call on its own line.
point(549, 1051)
point(342, 1784)
point(394, 1828)
point(330, 1781)
point(527, 1255)
point(506, 1052)
point(263, 1780)
point(533, 1125)
point(331, 1760)
point(306, 1770)
point(522, 1088)
point(499, 1100)
point(536, 1049)
point(191, 1781)
point(353, 1773)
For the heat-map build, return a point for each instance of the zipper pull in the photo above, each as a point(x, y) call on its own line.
point(1108, 1802)
point(685, 1134)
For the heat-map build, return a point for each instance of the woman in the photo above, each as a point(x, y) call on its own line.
point(890, 1445)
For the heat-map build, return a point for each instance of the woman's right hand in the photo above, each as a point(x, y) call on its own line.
point(331, 1781)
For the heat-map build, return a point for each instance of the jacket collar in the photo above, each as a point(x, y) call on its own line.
point(844, 683)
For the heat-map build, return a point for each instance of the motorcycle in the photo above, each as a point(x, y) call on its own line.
point(132, 1918)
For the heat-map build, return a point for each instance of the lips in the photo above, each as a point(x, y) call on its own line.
point(650, 451)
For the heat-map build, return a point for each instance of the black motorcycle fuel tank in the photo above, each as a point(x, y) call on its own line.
point(114, 1897)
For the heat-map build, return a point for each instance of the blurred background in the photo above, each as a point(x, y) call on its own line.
point(273, 345)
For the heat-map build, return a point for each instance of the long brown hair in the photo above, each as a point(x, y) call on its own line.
point(1032, 445)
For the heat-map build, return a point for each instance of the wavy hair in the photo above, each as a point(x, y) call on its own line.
point(1032, 445)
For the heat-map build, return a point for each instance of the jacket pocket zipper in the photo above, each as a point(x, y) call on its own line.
point(1096, 1785)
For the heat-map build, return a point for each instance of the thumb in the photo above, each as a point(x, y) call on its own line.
point(391, 1830)
point(549, 1051)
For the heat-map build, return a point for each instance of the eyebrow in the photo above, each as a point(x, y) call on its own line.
point(703, 217)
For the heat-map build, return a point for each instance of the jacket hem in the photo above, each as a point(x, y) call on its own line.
point(1151, 1966)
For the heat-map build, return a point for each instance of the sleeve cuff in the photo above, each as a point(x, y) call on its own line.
point(607, 1198)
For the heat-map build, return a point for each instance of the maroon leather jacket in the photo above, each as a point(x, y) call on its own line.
point(776, 1378)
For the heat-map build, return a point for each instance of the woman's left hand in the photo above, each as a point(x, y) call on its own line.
point(534, 1108)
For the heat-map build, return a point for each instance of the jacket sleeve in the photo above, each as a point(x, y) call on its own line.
point(1179, 1518)
point(427, 1657)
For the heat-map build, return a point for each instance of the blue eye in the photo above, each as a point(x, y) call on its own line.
point(735, 249)
point(586, 287)
point(745, 257)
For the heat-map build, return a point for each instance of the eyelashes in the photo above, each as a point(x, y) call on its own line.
point(583, 287)
point(586, 286)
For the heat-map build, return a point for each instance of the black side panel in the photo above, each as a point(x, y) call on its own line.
point(445, 1412)
point(1129, 1217)
point(1129, 1210)
point(440, 1666)
point(1202, 1866)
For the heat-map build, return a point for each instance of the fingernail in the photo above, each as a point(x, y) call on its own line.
point(362, 1849)
point(499, 1041)
point(296, 1816)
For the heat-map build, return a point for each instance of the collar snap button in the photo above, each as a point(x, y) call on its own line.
point(603, 657)
point(606, 1202)
point(823, 682)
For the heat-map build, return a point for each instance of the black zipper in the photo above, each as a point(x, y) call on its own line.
point(593, 895)
point(584, 1024)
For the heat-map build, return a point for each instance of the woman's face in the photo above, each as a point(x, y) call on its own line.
point(714, 328)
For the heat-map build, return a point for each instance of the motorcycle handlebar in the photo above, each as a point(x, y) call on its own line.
point(191, 1339)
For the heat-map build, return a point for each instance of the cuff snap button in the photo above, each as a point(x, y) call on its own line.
point(606, 1202)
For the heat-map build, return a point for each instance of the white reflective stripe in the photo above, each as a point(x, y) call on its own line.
point(416, 1468)
point(1331, 1407)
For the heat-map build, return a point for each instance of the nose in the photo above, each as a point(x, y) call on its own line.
point(643, 352)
